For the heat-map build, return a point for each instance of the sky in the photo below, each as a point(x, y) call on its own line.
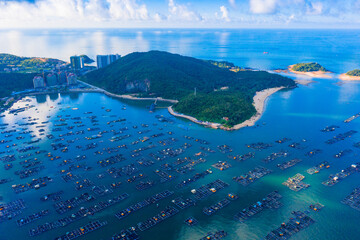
point(179, 14)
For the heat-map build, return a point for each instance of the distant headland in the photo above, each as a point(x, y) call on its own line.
point(353, 75)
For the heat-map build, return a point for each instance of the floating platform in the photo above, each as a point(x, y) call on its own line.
point(270, 201)
point(216, 207)
point(352, 118)
point(139, 205)
point(215, 236)
point(11, 209)
point(295, 224)
point(191, 221)
point(209, 189)
point(81, 231)
point(318, 167)
point(289, 164)
point(353, 199)
point(335, 178)
point(252, 176)
point(295, 183)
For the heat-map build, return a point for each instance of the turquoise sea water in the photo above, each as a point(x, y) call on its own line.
point(298, 114)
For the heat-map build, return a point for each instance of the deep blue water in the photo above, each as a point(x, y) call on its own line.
point(337, 50)
point(298, 114)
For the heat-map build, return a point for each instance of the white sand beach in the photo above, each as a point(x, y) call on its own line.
point(259, 104)
point(346, 77)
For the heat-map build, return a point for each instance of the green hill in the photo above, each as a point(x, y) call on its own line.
point(355, 73)
point(172, 76)
point(26, 64)
point(10, 82)
point(308, 67)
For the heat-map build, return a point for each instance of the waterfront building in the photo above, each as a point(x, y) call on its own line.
point(51, 79)
point(77, 62)
point(101, 61)
point(38, 82)
point(71, 79)
point(104, 60)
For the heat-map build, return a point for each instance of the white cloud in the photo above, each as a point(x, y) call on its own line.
point(127, 10)
point(70, 12)
point(158, 17)
point(172, 13)
point(263, 6)
point(290, 18)
point(224, 14)
point(315, 8)
point(181, 12)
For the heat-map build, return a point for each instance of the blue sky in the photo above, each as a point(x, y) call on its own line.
point(180, 13)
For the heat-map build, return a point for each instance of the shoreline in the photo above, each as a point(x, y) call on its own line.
point(315, 74)
point(125, 96)
point(258, 102)
point(346, 77)
point(207, 124)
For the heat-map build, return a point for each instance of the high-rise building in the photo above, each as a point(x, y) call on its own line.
point(77, 62)
point(38, 82)
point(51, 79)
point(101, 61)
point(71, 79)
point(62, 77)
point(104, 60)
point(114, 57)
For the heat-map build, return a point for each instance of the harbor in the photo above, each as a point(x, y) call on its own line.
point(139, 176)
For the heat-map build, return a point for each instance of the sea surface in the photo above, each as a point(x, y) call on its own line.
point(298, 114)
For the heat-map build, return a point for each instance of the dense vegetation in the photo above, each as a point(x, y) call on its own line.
point(355, 73)
point(10, 82)
point(214, 106)
point(12, 60)
point(173, 76)
point(227, 65)
point(221, 64)
point(26, 64)
point(308, 67)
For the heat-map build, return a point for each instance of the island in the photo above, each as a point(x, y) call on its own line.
point(216, 94)
point(311, 69)
point(353, 75)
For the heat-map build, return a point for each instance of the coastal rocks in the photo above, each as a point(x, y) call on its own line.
point(138, 86)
